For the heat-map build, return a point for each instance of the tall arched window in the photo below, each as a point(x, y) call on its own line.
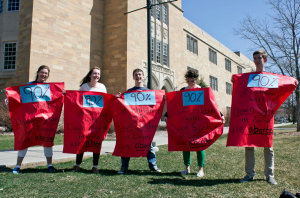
point(160, 34)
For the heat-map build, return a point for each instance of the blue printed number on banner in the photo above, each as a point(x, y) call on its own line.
point(263, 80)
point(140, 98)
point(95, 101)
point(193, 98)
point(35, 93)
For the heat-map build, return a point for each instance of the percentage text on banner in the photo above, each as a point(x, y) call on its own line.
point(35, 93)
point(263, 80)
point(95, 101)
point(140, 98)
point(193, 98)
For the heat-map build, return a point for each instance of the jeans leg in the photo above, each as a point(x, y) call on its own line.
point(249, 161)
point(125, 162)
point(151, 158)
point(269, 161)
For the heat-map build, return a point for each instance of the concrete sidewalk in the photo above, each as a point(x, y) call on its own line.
point(35, 155)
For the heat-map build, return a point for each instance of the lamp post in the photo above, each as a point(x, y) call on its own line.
point(149, 7)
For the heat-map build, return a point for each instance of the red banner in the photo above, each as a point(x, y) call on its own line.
point(136, 115)
point(255, 99)
point(34, 113)
point(194, 120)
point(87, 118)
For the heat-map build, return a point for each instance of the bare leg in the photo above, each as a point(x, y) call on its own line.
point(19, 161)
point(49, 160)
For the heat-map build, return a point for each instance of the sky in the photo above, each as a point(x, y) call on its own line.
point(219, 17)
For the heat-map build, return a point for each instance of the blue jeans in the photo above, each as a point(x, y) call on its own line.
point(150, 156)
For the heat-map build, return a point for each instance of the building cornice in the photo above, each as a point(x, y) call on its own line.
point(178, 8)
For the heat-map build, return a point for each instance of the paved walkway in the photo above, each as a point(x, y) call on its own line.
point(36, 154)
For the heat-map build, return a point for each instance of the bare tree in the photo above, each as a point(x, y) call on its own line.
point(279, 37)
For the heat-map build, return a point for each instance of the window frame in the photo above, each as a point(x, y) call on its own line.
point(228, 88)
point(4, 56)
point(158, 52)
point(1, 7)
point(7, 6)
point(213, 83)
point(192, 44)
point(238, 69)
point(213, 56)
point(165, 54)
point(227, 64)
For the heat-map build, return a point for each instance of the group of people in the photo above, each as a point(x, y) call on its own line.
point(91, 82)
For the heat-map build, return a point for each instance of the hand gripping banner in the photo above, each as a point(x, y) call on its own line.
point(136, 117)
point(255, 99)
point(194, 120)
point(34, 111)
point(87, 118)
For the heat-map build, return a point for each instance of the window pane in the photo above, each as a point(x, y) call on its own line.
point(191, 44)
point(158, 11)
point(152, 49)
point(13, 5)
point(1, 6)
point(10, 50)
point(165, 13)
point(165, 54)
point(158, 50)
point(195, 47)
point(188, 42)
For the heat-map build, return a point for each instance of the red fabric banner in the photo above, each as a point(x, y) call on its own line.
point(87, 118)
point(34, 113)
point(136, 115)
point(255, 99)
point(194, 120)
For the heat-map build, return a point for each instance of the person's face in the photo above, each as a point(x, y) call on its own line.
point(191, 82)
point(259, 61)
point(95, 76)
point(42, 75)
point(138, 77)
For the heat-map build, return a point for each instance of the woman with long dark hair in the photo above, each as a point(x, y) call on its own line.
point(42, 75)
point(91, 82)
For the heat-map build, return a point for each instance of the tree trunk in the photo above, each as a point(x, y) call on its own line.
point(298, 109)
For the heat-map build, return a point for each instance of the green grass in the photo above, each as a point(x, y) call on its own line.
point(7, 141)
point(288, 126)
point(224, 167)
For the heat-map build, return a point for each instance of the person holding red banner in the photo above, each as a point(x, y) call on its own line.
point(41, 77)
point(259, 58)
point(191, 78)
point(91, 82)
point(138, 77)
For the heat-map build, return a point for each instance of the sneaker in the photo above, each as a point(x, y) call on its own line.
point(155, 169)
point(75, 168)
point(271, 180)
point(185, 172)
point(16, 170)
point(246, 179)
point(51, 169)
point(95, 170)
point(200, 174)
point(122, 171)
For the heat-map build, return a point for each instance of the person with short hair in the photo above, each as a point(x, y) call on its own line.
point(260, 57)
point(42, 75)
point(191, 78)
point(138, 77)
point(91, 82)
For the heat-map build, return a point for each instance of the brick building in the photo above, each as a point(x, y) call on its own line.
point(71, 36)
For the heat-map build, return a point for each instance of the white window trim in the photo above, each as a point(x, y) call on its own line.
point(11, 10)
point(4, 57)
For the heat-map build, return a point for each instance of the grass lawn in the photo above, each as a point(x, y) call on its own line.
point(7, 141)
point(288, 126)
point(224, 167)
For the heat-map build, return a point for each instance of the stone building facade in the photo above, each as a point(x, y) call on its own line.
point(72, 36)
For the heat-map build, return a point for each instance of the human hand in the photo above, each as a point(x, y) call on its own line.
point(165, 97)
point(223, 119)
point(118, 95)
point(232, 80)
point(63, 92)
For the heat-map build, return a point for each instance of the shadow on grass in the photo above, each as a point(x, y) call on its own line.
point(195, 182)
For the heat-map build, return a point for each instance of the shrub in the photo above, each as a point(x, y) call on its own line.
point(4, 116)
